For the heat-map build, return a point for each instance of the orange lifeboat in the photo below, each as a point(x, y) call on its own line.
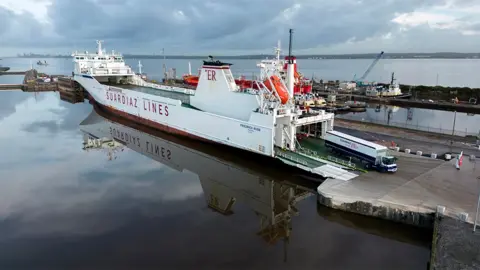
point(191, 80)
point(281, 90)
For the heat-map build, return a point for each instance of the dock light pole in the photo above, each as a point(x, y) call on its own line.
point(478, 206)
point(454, 119)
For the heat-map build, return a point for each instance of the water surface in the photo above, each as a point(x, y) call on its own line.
point(446, 72)
point(68, 208)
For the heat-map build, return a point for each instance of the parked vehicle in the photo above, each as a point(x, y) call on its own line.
point(371, 154)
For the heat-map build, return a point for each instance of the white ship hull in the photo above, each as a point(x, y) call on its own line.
point(255, 135)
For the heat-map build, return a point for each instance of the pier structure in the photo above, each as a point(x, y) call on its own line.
point(34, 81)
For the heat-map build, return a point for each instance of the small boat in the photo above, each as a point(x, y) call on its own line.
point(40, 63)
point(356, 105)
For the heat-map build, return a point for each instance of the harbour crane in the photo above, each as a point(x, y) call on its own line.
point(372, 65)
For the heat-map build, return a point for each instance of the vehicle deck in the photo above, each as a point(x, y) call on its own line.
point(162, 93)
point(316, 147)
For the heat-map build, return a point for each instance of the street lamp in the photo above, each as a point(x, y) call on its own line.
point(454, 120)
point(476, 214)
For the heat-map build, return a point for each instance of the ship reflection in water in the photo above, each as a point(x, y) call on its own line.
point(237, 189)
point(223, 182)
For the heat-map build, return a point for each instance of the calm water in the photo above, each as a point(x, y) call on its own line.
point(454, 72)
point(421, 119)
point(129, 207)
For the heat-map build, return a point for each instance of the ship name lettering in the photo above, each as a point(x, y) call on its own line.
point(158, 151)
point(250, 128)
point(211, 75)
point(122, 99)
point(124, 137)
point(155, 107)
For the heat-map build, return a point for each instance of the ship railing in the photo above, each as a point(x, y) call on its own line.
point(143, 83)
point(291, 157)
point(333, 159)
point(112, 71)
point(342, 162)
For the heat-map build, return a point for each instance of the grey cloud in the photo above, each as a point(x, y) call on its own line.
point(72, 117)
point(146, 26)
point(51, 126)
point(8, 102)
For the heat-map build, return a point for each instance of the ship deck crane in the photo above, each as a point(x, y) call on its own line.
point(369, 69)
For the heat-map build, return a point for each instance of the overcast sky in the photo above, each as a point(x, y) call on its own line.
point(239, 26)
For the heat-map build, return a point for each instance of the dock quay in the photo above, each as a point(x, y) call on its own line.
point(11, 86)
point(436, 105)
point(68, 89)
point(12, 73)
point(413, 195)
point(454, 245)
point(425, 192)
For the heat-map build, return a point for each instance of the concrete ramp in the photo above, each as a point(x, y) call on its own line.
point(334, 172)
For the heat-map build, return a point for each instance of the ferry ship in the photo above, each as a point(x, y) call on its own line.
point(263, 120)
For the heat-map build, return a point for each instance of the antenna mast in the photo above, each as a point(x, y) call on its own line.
point(99, 49)
point(290, 60)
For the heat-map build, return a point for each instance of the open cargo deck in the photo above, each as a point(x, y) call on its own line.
point(185, 98)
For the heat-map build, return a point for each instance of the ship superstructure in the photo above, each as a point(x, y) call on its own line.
point(301, 84)
point(111, 68)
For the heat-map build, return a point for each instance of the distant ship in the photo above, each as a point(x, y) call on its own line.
point(44, 63)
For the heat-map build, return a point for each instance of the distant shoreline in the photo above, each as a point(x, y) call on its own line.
point(445, 55)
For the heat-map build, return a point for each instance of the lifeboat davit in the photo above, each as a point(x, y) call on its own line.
point(279, 87)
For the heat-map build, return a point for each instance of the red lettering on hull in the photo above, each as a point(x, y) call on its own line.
point(102, 109)
point(155, 107)
point(121, 99)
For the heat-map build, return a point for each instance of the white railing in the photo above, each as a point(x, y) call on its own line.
point(291, 157)
point(312, 153)
point(342, 162)
point(140, 82)
point(112, 71)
